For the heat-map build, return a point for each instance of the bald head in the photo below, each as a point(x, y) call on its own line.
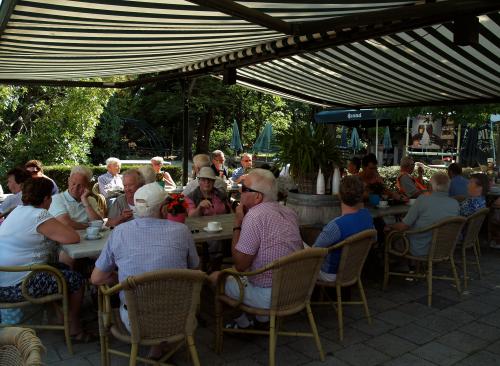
point(440, 182)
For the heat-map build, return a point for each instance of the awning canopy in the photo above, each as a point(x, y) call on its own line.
point(337, 53)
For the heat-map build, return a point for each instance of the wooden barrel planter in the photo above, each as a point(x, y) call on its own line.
point(314, 208)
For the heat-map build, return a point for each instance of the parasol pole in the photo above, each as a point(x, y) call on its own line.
point(376, 138)
point(459, 133)
point(407, 134)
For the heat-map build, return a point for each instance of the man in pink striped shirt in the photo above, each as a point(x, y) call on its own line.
point(263, 231)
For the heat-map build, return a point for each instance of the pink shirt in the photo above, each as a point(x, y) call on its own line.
point(217, 208)
point(269, 231)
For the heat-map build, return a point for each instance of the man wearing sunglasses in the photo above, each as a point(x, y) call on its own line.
point(263, 231)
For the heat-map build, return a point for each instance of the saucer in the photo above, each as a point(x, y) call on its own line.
point(98, 236)
point(211, 231)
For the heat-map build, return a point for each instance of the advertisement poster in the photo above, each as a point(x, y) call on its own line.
point(426, 133)
point(477, 145)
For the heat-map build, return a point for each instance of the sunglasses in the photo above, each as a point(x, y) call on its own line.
point(244, 189)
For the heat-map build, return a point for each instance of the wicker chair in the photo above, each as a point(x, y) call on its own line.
point(293, 279)
point(445, 235)
point(355, 249)
point(471, 239)
point(20, 346)
point(60, 297)
point(161, 308)
point(102, 205)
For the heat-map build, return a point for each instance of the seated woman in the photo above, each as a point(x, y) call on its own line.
point(477, 188)
point(27, 237)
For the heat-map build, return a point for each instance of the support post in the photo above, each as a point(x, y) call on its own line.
point(185, 130)
point(459, 137)
point(376, 138)
point(407, 135)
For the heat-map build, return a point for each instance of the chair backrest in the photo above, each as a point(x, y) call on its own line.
point(473, 226)
point(162, 304)
point(20, 346)
point(445, 235)
point(355, 249)
point(101, 200)
point(309, 234)
point(294, 277)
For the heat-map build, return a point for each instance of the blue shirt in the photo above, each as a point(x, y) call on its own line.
point(238, 173)
point(339, 229)
point(471, 205)
point(458, 186)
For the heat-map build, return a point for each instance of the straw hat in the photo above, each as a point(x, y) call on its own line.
point(206, 172)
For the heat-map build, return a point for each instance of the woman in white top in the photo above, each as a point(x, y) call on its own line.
point(28, 236)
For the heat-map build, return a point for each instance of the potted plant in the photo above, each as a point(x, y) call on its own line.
point(307, 147)
point(174, 207)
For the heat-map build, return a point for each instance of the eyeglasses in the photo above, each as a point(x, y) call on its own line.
point(244, 189)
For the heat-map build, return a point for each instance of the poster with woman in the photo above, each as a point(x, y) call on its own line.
point(426, 133)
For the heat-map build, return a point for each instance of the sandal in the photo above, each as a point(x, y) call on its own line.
point(83, 338)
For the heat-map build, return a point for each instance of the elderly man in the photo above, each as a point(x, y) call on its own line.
point(408, 186)
point(110, 183)
point(428, 210)
point(263, 231)
point(15, 180)
point(74, 207)
point(156, 164)
point(354, 219)
point(458, 184)
point(218, 164)
point(240, 173)
point(202, 161)
point(123, 207)
point(145, 244)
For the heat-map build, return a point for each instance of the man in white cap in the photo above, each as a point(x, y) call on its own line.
point(145, 244)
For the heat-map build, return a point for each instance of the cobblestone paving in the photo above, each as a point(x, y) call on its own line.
point(405, 331)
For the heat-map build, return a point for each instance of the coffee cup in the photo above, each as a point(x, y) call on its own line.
point(92, 232)
point(383, 204)
point(96, 223)
point(214, 226)
point(412, 201)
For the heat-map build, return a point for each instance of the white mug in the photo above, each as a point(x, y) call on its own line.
point(383, 203)
point(93, 231)
point(214, 225)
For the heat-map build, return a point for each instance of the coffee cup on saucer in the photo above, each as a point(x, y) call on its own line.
point(383, 204)
point(214, 226)
point(92, 232)
point(96, 223)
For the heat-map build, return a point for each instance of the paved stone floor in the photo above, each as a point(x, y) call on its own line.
point(405, 331)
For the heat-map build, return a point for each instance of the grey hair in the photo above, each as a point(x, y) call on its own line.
point(217, 153)
point(83, 170)
point(263, 180)
point(201, 160)
point(148, 173)
point(407, 162)
point(440, 182)
point(137, 174)
point(110, 161)
point(157, 159)
point(247, 155)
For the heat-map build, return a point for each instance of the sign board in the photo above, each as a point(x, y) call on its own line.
point(426, 133)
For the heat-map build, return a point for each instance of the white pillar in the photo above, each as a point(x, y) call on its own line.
point(405, 152)
point(459, 133)
point(376, 138)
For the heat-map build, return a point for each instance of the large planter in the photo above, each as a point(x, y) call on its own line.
point(314, 208)
point(306, 185)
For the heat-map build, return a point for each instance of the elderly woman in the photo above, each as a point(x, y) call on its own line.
point(201, 161)
point(477, 188)
point(123, 207)
point(206, 200)
point(28, 236)
point(110, 183)
point(35, 167)
point(156, 164)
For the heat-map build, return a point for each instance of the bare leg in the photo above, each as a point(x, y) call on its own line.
point(75, 302)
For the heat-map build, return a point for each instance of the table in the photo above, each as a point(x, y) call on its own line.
point(396, 210)
point(92, 248)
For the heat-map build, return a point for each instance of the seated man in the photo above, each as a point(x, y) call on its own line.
point(354, 166)
point(408, 186)
point(123, 207)
point(145, 244)
point(263, 231)
point(15, 180)
point(74, 207)
point(246, 165)
point(218, 164)
point(428, 210)
point(110, 183)
point(477, 189)
point(458, 184)
point(202, 161)
point(354, 219)
point(156, 164)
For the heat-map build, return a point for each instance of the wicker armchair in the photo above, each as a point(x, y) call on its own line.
point(60, 297)
point(102, 205)
point(293, 280)
point(445, 235)
point(355, 249)
point(161, 308)
point(471, 239)
point(20, 346)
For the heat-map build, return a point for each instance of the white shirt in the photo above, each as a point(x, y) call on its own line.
point(11, 202)
point(64, 203)
point(21, 244)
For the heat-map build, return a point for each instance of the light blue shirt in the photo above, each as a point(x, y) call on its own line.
point(64, 203)
point(428, 210)
point(110, 185)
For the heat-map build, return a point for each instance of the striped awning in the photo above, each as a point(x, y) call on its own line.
point(337, 53)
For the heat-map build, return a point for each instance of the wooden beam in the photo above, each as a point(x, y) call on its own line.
point(242, 12)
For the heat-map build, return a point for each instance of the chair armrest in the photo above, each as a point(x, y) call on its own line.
point(62, 288)
point(393, 236)
point(104, 294)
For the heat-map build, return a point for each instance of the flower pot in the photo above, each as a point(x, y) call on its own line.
point(306, 185)
point(177, 218)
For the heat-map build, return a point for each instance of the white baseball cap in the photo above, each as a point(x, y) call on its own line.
point(148, 197)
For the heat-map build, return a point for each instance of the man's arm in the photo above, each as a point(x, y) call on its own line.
point(91, 213)
point(67, 220)
point(103, 278)
point(241, 260)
